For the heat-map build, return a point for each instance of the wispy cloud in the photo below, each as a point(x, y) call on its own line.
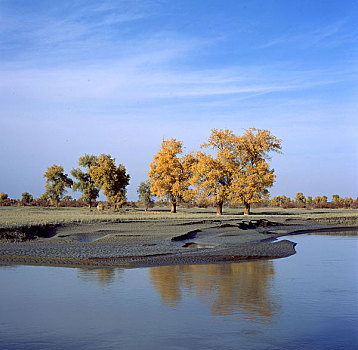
point(68, 33)
point(143, 80)
point(86, 54)
point(327, 36)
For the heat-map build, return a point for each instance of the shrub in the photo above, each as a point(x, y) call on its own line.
point(3, 196)
point(5, 202)
point(288, 205)
point(26, 198)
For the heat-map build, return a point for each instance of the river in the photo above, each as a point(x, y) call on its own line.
point(306, 301)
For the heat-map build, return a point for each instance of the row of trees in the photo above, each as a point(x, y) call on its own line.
point(301, 201)
point(26, 198)
point(95, 173)
point(146, 200)
point(235, 169)
point(229, 170)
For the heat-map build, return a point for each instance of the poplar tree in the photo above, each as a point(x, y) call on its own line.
point(3, 196)
point(254, 178)
point(111, 178)
point(145, 195)
point(56, 184)
point(85, 184)
point(300, 200)
point(239, 171)
point(26, 198)
point(169, 173)
point(275, 201)
point(336, 199)
point(213, 174)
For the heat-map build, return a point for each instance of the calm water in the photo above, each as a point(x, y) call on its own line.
point(307, 301)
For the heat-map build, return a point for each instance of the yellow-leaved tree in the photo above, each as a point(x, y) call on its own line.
point(251, 183)
point(239, 171)
point(212, 174)
point(169, 173)
point(111, 178)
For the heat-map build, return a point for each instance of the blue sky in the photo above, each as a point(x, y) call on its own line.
point(118, 76)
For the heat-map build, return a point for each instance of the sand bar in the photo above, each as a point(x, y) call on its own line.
point(164, 240)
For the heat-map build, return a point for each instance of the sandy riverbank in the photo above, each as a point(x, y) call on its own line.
point(154, 241)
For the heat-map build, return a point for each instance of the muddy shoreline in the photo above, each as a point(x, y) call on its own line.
point(166, 241)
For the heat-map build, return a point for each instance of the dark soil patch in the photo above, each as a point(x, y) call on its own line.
point(252, 224)
point(13, 235)
point(25, 233)
point(189, 235)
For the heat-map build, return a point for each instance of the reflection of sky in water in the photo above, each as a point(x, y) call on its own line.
point(306, 301)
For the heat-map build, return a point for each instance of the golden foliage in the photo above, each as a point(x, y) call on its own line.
point(239, 172)
point(211, 178)
point(252, 181)
point(169, 174)
point(3, 196)
point(280, 201)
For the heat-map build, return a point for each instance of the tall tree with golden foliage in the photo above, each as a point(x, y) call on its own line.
point(112, 179)
point(56, 184)
point(239, 173)
point(255, 177)
point(169, 173)
point(212, 175)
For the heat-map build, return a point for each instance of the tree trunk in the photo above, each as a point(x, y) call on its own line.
point(173, 207)
point(219, 208)
point(247, 209)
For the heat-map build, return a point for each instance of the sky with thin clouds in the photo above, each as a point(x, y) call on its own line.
point(118, 77)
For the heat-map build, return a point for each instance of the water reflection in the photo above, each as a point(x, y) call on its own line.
point(9, 266)
point(103, 276)
point(226, 288)
point(307, 301)
point(350, 232)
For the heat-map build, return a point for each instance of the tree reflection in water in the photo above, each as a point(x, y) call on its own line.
point(103, 276)
point(227, 288)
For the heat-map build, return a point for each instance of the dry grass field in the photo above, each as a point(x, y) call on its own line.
point(15, 217)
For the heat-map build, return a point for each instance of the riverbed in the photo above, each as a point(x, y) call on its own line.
point(305, 301)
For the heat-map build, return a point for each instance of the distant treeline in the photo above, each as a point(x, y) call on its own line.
point(300, 201)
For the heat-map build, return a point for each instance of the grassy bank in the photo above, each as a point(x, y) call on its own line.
point(15, 217)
